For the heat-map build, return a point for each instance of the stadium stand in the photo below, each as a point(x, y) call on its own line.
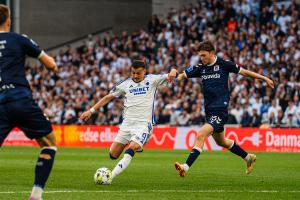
point(263, 36)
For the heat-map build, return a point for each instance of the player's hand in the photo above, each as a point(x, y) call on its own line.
point(270, 83)
point(86, 115)
point(172, 75)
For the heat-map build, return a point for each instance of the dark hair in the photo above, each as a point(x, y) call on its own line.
point(4, 14)
point(138, 63)
point(205, 46)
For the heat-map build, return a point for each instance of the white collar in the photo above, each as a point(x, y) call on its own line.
point(215, 60)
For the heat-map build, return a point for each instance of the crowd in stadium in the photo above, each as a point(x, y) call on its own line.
point(262, 36)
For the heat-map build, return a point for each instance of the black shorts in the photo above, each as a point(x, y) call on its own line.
point(217, 119)
point(26, 115)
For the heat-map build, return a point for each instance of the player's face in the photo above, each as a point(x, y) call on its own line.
point(138, 74)
point(206, 57)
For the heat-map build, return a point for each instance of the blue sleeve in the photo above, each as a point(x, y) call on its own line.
point(232, 67)
point(31, 48)
point(193, 72)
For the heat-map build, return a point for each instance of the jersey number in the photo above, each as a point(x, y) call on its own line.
point(144, 138)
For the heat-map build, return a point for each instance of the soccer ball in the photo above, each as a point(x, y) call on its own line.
point(103, 176)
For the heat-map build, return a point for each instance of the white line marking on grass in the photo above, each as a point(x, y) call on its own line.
point(155, 191)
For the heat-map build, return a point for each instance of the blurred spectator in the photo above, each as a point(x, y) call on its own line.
point(164, 117)
point(246, 119)
point(101, 119)
point(255, 119)
point(237, 112)
point(279, 120)
point(272, 121)
point(231, 119)
point(291, 121)
point(174, 117)
point(274, 109)
point(231, 25)
point(264, 108)
point(290, 110)
point(197, 118)
point(183, 119)
point(257, 104)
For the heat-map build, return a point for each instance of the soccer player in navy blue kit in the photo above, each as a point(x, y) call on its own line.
point(17, 107)
point(214, 73)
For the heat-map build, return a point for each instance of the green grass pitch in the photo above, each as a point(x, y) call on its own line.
point(151, 175)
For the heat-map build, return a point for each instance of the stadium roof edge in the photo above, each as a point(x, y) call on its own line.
point(77, 41)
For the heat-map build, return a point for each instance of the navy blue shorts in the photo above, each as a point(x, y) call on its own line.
point(217, 119)
point(26, 115)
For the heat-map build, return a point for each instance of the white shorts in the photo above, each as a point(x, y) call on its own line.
point(139, 132)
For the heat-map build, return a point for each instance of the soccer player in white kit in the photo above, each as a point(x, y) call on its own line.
point(138, 116)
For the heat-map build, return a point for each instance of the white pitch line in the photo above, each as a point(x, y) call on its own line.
point(155, 191)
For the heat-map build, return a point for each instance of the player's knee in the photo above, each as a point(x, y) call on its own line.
point(51, 137)
point(134, 146)
point(113, 156)
point(52, 143)
point(221, 143)
point(47, 141)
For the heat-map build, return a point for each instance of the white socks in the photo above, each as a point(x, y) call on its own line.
point(247, 157)
point(122, 165)
point(186, 167)
point(36, 193)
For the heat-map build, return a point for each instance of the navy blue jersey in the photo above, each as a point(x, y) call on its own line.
point(13, 51)
point(214, 82)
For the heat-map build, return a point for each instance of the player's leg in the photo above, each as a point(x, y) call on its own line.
point(5, 123)
point(125, 161)
point(121, 140)
point(31, 120)
point(140, 136)
point(204, 133)
point(236, 149)
point(44, 164)
point(116, 149)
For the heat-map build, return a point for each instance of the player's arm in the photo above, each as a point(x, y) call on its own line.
point(174, 74)
point(48, 61)
point(182, 76)
point(252, 74)
point(33, 50)
point(103, 101)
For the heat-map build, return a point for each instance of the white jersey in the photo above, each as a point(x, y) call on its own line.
point(139, 97)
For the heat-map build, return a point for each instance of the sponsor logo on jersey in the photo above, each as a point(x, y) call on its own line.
point(210, 76)
point(139, 91)
point(216, 68)
point(190, 69)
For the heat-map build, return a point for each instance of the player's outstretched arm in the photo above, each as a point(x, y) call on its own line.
point(252, 74)
point(48, 61)
point(87, 114)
